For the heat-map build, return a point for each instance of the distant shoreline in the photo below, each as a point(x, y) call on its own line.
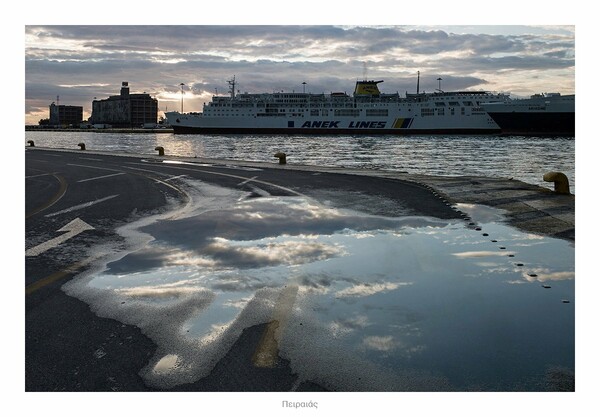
point(107, 130)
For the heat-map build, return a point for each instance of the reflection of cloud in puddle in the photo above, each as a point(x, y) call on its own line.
point(363, 290)
point(341, 327)
point(227, 253)
point(380, 343)
point(159, 292)
point(217, 268)
point(544, 275)
point(482, 214)
point(166, 364)
point(482, 254)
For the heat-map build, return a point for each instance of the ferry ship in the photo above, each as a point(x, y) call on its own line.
point(367, 111)
point(548, 114)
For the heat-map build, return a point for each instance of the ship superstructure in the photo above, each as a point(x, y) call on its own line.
point(366, 111)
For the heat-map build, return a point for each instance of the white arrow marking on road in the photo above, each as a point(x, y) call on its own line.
point(72, 228)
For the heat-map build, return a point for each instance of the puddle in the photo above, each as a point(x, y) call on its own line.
point(379, 303)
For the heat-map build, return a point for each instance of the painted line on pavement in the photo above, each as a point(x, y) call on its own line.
point(81, 206)
point(175, 177)
point(94, 167)
point(39, 175)
point(92, 159)
point(248, 180)
point(40, 283)
point(175, 166)
point(102, 177)
point(72, 229)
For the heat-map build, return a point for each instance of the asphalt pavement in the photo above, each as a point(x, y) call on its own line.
point(75, 202)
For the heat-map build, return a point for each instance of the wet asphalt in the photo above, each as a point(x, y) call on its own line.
point(69, 347)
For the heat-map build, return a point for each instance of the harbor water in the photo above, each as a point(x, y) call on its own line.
point(518, 157)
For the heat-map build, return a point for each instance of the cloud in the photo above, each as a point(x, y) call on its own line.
point(156, 59)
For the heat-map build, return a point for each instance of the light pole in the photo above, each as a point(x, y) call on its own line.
point(304, 86)
point(439, 84)
point(181, 85)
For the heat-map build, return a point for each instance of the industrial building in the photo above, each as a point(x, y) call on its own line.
point(125, 110)
point(61, 115)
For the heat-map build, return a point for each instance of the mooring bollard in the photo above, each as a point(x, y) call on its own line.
point(82, 146)
point(282, 158)
point(560, 180)
point(30, 142)
point(161, 150)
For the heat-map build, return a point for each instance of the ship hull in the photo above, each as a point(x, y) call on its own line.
point(398, 124)
point(535, 124)
point(178, 129)
point(541, 115)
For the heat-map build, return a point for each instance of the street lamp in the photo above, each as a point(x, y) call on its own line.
point(304, 86)
point(439, 84)
point(181, 85)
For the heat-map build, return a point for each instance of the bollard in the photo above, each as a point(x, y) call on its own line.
point(82, 146)
point(161, 150)
point(30, 142)
point(560, 180)
point(282, 158)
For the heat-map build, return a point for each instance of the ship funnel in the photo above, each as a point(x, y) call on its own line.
point(367, 88)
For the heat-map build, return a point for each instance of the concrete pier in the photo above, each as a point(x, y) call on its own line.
point(528, 207)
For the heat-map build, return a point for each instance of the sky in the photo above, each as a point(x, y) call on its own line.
point(78, 63)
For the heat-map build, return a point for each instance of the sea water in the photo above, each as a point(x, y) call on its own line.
point(522, 158)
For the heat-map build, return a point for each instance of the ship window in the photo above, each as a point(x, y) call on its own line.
point(377, 112)
point(454, 103)
point(346, 112)
point(468, 103)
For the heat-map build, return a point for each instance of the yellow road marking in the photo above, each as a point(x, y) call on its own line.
point(267, 351)
point(40, 283)
point(59, 194)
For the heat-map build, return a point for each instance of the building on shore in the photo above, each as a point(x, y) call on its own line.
point(125, 109)
point(61, 115)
